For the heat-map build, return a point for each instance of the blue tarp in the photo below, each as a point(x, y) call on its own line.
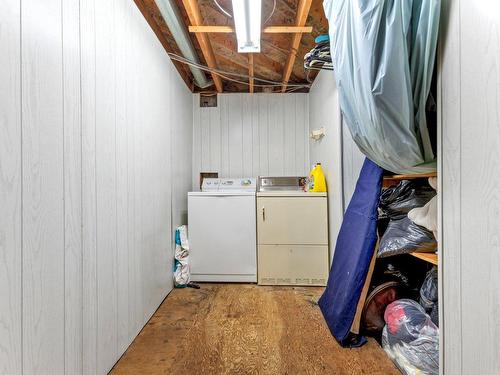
point(353, 252)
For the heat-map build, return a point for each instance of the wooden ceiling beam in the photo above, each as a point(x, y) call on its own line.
point(288, 29)
point(195, 18)
point(300, 20)
point(250, 72)
point(266, 30)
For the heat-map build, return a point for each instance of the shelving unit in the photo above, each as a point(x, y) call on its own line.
point(394, 179)
point(428, 257)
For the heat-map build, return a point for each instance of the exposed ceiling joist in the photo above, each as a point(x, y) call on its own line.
point(287, 29)
point(250, 72)
point(300, 20)
point(266, 30)
point(276, 42)
point(195, 18)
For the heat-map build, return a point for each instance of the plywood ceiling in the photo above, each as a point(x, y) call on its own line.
point(270, 64)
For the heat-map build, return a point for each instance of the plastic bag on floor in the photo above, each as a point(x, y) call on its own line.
point(410, 338)
point(181, 257)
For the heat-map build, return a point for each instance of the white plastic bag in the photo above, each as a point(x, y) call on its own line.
point(410, 338)
point(181, 268)
point(426, 216)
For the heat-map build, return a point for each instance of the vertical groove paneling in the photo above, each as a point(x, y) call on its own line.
point(263, 134)
point(154, 169)
point(214, 139)
point(88, 96)
point(246, 135)
point(89, 184)
point(137, 307)
point(225, 124)
point(10, 189)
point(324, 111)
point(205, 139)
point(255, 135)
point(131, 118)
point(235, 135)
point(122, 203)
point(254, 108)
point(196, 160)
point(275, 131)
point(289, 140)
point(72, 188)
point(470, 129)
point(301, 134)
point(106, 184)
point(43, 187)
point(451, 248)
point(182, 150)
point(480, 184)
point(352, 161)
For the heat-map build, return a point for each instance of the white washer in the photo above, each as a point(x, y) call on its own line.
point(222, 231)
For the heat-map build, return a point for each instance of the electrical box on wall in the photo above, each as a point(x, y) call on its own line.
point(317, 134)
point(208, 100)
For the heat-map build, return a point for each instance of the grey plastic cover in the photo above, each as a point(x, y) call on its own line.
point(383, 55)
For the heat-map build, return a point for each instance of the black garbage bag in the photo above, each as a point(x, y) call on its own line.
point(409, 272)
point(429, 294)
point(435, 314)
point(398, 200)
point(410, 338)
point(402, 235)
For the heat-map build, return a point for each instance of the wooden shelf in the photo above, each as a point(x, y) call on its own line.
point(394, 179)
point(410, 176)
point(428, 257)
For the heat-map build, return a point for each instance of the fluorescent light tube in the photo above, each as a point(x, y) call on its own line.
point(247, 19)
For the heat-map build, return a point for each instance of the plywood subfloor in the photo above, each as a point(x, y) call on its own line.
point(245, 329)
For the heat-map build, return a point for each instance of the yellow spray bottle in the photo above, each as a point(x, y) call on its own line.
point(317, 182)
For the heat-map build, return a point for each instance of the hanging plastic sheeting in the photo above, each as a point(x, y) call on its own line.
point(383, 54)
point(353, 252)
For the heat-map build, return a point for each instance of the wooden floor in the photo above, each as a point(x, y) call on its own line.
point(245, 329)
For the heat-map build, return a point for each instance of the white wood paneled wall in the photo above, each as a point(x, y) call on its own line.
point(95, 163)
point(469, 70)
point(251, 135)
point(352, 161)
point(324, 111)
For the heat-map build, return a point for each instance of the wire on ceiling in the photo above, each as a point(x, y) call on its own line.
point(227, 75)
point(271, 14)
point(222, 9)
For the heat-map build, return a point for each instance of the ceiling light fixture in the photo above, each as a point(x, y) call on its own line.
point(247, 20)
